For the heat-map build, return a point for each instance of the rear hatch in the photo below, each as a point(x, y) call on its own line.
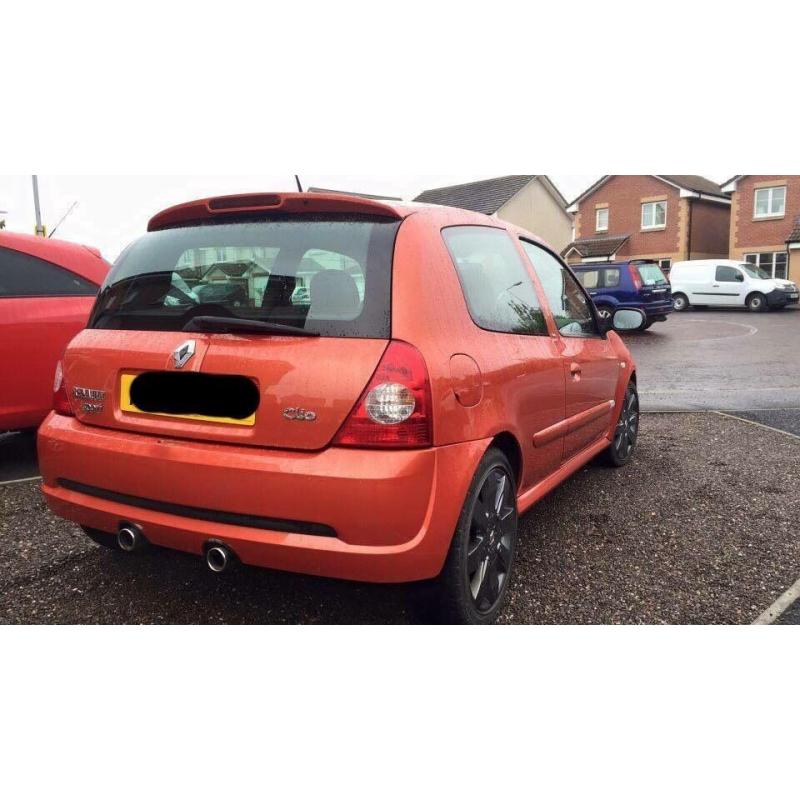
point(261, 331)
point(653, 284)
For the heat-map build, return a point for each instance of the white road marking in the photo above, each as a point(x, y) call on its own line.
point(21, 480)
point(783, 603)
point(757, 424)
point(751, 329)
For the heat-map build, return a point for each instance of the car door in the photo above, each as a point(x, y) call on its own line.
point(591, 367)
point(42, 306)
point(729, 286)
point(518, 357)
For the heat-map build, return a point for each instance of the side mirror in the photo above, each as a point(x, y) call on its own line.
point(628, 319)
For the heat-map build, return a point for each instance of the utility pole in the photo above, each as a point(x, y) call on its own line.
point(40, 231)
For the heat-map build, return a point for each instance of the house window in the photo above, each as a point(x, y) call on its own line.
point(601, 220)
point(773, 264)
point(654, 215)
point(665, 264)
point(770, 202)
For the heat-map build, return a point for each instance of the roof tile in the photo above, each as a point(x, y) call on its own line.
point(486, 197)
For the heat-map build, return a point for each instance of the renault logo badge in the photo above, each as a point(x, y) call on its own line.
point(183, 354)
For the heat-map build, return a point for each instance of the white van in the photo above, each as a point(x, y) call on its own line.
point(728, 283)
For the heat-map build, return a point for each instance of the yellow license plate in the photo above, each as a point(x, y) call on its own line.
point(127, 405)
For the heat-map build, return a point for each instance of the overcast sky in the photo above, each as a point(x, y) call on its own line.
point(113, 210)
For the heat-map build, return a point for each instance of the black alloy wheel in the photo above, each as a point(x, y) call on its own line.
point(626, 434)
point(492, 536)
point(473, 586)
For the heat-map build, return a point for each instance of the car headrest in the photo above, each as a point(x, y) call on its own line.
point(334, 295)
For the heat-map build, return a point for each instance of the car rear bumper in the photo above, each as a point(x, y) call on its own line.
point(658, 311)
point(378, 516)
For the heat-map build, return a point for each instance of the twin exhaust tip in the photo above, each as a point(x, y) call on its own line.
point(219, 557)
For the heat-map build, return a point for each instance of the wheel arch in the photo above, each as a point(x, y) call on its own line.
point(752, 294)
point(507, 443)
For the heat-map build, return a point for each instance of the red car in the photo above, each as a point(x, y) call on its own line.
point(337, 386)
point(47, 289)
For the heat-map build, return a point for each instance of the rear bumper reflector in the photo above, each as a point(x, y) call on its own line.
point(209, 515)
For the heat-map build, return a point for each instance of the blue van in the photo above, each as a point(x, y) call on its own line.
point(632, 284)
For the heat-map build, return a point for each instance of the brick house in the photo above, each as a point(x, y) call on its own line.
point(666, 218)
point(765, 222)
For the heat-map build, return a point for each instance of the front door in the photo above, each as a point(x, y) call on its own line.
point(729, 286)
point(589, 362)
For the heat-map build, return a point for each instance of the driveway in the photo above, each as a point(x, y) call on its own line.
point(700, 528)
point(730, 359)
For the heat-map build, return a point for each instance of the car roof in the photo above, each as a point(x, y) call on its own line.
point(607, 264)
point(78, 258)
point(238, 206)
point(709, 262)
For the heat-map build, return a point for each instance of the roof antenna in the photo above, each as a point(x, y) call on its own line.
point(299, 185)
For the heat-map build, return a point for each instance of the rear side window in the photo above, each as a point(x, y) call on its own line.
point(590, 279)
point(22, 275)
point(599, 278)
point(610, 278)
point(498, 289)
point(330, 275)
point(571, 308)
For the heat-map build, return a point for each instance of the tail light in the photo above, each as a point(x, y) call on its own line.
point(636, 277)
point(61, 404)
point(395, 408)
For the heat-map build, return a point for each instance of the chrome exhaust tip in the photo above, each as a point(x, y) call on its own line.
point(219, 558)
point(130, 538)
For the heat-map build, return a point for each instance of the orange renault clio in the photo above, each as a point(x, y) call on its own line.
point(336, 386)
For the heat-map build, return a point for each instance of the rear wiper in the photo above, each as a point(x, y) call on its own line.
point(234, 324)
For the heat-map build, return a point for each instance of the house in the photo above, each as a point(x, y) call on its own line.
point(530, 201)
point(765, 222)
point(666, 218)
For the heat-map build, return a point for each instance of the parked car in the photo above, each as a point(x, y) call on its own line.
point(393, 436)
point(628, 284)
point(734, 284)
point(47, 289)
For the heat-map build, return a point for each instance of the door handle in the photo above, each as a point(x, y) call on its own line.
point(575, 370)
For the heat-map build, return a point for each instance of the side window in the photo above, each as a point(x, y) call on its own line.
point(571, 308)
point(612, 278)
point(729, 275)
point(22, 275)
point(590, 279)
point(498, 289)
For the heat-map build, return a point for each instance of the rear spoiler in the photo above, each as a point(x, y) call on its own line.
point(289, 203)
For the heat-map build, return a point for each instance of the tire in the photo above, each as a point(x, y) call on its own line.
point(605, 312)
point(680, 302)
point(108, 540)
point(472, 590)
point(756, 303)
point(621, 450)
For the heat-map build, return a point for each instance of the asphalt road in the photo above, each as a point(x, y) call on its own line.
point(700, 528)
point(720, 360)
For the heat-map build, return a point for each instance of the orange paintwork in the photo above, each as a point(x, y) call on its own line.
point(394, 512)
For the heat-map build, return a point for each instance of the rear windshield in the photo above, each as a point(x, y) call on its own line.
point(651, 274)
point(325, 275)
